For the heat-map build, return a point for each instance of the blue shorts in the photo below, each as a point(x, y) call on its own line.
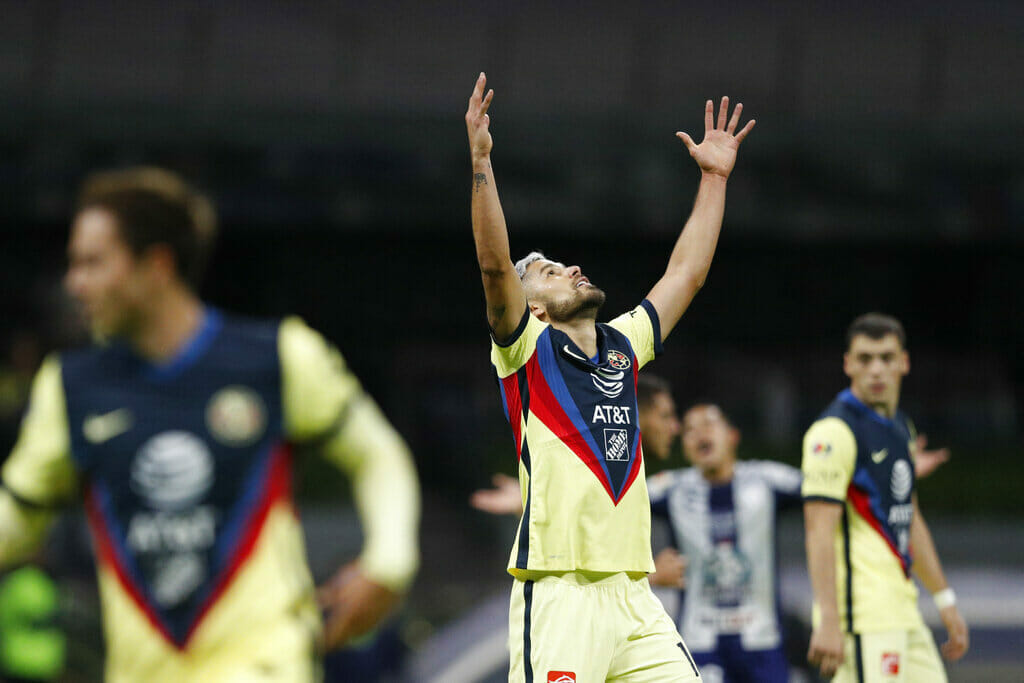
point(730, 663)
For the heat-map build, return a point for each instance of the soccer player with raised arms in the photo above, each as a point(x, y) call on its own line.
point(176, 432)
point(581, 607)
point(864, 530)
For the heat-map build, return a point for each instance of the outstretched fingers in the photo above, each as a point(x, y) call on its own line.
point(486, 102)
point(734, 121)
point(746, 129)
point(687, 140)
point(723, 111)
point(709, 116)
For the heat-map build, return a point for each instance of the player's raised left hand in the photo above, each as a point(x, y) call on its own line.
point(716, 154)
point(959, 640)
point(353, 604)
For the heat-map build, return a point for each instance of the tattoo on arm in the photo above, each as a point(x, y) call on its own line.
point(478, 180)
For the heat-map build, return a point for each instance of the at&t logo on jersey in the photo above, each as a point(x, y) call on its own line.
point(561, 677)
point(902, 480)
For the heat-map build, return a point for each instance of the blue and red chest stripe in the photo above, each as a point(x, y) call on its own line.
point(559, 391)
point(269, 484)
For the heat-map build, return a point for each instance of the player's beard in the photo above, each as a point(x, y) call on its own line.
point(585, 304)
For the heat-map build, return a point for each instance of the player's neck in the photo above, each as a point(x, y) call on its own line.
point(885, 409)
point(582, 331)
point(720, 475)
point(167, 325)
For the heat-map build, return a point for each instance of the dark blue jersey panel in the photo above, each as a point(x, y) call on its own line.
point(181, 461)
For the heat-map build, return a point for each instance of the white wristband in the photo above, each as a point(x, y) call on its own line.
point(944, 598)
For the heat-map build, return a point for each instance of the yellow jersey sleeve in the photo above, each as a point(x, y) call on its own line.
point(642, 327)
point(513, 353)
point(324, 400)
point(317, 387)
point(830, 454)
point(39, 475)
point(39, 469)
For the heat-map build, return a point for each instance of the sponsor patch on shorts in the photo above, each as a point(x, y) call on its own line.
point(890, 663)
point(561, 677)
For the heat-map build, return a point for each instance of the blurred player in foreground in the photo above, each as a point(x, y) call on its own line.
point(176, 430)
point(568, 385)
point(864, 529)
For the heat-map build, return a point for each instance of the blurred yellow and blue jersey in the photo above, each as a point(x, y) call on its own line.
point(186, 474)
point(574, 421)
point(857, 458)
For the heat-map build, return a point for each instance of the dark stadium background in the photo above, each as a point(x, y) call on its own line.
point(885, 173)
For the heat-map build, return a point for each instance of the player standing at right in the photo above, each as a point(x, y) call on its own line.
point(865, 531)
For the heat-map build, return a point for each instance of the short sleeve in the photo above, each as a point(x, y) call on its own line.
point(513, 353)
point(643, 328)
point(317, 386)
point(39, 470)
point(830, 454)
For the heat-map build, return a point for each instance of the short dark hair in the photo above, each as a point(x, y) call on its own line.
point(876, 326)
point(648, 386)
point(155, 206)
point(710, 404)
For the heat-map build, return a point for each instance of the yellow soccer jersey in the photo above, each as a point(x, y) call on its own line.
point(185, 470)
point(861, 460)
point(574, 421)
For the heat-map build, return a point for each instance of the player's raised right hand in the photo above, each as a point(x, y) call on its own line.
point(477, 121)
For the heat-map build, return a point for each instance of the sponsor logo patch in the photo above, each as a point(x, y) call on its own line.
point(902, 480)
point(616, 446)
point(890, 663)
point(172, 471)
point(822, 448)
point(561, 677)
point(618, 360)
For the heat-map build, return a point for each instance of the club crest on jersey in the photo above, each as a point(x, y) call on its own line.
point(561, 677)
point(618, 360)
point(616, 444)
point(902, 480)
point(235, 416)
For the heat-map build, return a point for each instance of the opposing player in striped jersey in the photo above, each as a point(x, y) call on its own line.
point(176, 431)
point(865, 531)
point(568, 385)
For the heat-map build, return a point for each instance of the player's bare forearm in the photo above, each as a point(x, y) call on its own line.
point(820, 520)
point(691, 257)
point(926, 565)
point(506, 301)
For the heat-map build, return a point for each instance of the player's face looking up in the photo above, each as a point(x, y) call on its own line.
point(659, 425)
point(876, 368)
point(709, 441)
point(110, 282)
point(559, 293)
